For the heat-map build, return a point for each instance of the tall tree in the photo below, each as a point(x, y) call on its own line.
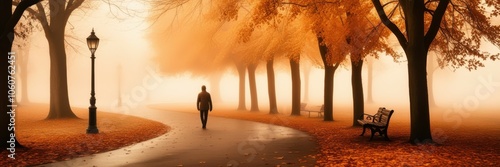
point(264, 12)
point(8, 21)
point(458, 27)
point(54, 21)
point(288, 39)
point(254, 103)
point(271, 86)
point(330, 69)
point(365, 37)
point(295, 72)
point(214, 34)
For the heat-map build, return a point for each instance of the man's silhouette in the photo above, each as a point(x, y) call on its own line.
point(204, 103)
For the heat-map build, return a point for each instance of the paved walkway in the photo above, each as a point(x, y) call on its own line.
point(225, 142)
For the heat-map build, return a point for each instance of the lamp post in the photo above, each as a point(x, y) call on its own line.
point(92, 42)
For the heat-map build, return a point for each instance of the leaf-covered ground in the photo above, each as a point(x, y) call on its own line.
point(469, 141)
point(464, 139)
point(48, 141)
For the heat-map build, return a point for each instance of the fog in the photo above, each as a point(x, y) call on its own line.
point(129, 73)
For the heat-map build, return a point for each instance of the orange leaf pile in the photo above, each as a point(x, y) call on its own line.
point(48, 141)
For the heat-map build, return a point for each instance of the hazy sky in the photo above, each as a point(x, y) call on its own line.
point(123, 43)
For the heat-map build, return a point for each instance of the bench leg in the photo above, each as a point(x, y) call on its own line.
point(385, 135)
point(373, 133)
point(380, 132)
point(374, 130)
point(364, 128)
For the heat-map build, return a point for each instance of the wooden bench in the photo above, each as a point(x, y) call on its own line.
point(377, 123)
point(320, 112)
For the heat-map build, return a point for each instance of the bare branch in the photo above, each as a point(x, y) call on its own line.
point(72, 5)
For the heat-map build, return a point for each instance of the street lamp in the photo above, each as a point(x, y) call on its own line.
point(92, 42)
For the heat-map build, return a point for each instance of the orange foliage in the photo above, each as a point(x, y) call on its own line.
point(347, 27)
point(465, 27)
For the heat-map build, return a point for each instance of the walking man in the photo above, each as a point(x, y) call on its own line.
point(204, 103)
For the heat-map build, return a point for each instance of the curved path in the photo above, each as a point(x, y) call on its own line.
point(225, 142)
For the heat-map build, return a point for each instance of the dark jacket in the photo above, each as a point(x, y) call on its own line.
point(204, 101)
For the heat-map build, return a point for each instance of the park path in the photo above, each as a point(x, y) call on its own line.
point(225, 142)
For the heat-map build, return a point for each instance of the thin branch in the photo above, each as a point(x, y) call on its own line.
point(18, 13)
point(72, 6)
point(436, 21)
point(389, 24)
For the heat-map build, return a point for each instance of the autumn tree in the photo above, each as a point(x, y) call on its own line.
point(8, 20)
point(365, 37)
point(290, 35)
point(262, 13)
point(344, 28)
point(251, 53)
point(454, 28)
point(53, 16)
point(325, 19)
point(206, 31)
point(246, 53)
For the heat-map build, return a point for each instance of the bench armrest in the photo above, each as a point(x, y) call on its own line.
point(369, 117)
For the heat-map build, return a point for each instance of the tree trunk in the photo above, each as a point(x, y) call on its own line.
point(242, 77)
point(6, 102)
point(416, 52)
point(328, 97)
point(295, 71)
point(253, 87)
point(419, 103)
point(357, 91)
point(329, 75)
point(416, 45)
point(59, 101)
point(369, 87)
point(8, 21)
point(271, 87)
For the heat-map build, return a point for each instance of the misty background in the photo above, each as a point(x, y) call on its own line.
point(129, 73)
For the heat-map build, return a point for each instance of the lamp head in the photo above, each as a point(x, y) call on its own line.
point(92, 42)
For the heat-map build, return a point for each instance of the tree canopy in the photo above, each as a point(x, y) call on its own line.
point(454, 28)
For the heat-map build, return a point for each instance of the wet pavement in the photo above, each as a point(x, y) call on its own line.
point(225, 142)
